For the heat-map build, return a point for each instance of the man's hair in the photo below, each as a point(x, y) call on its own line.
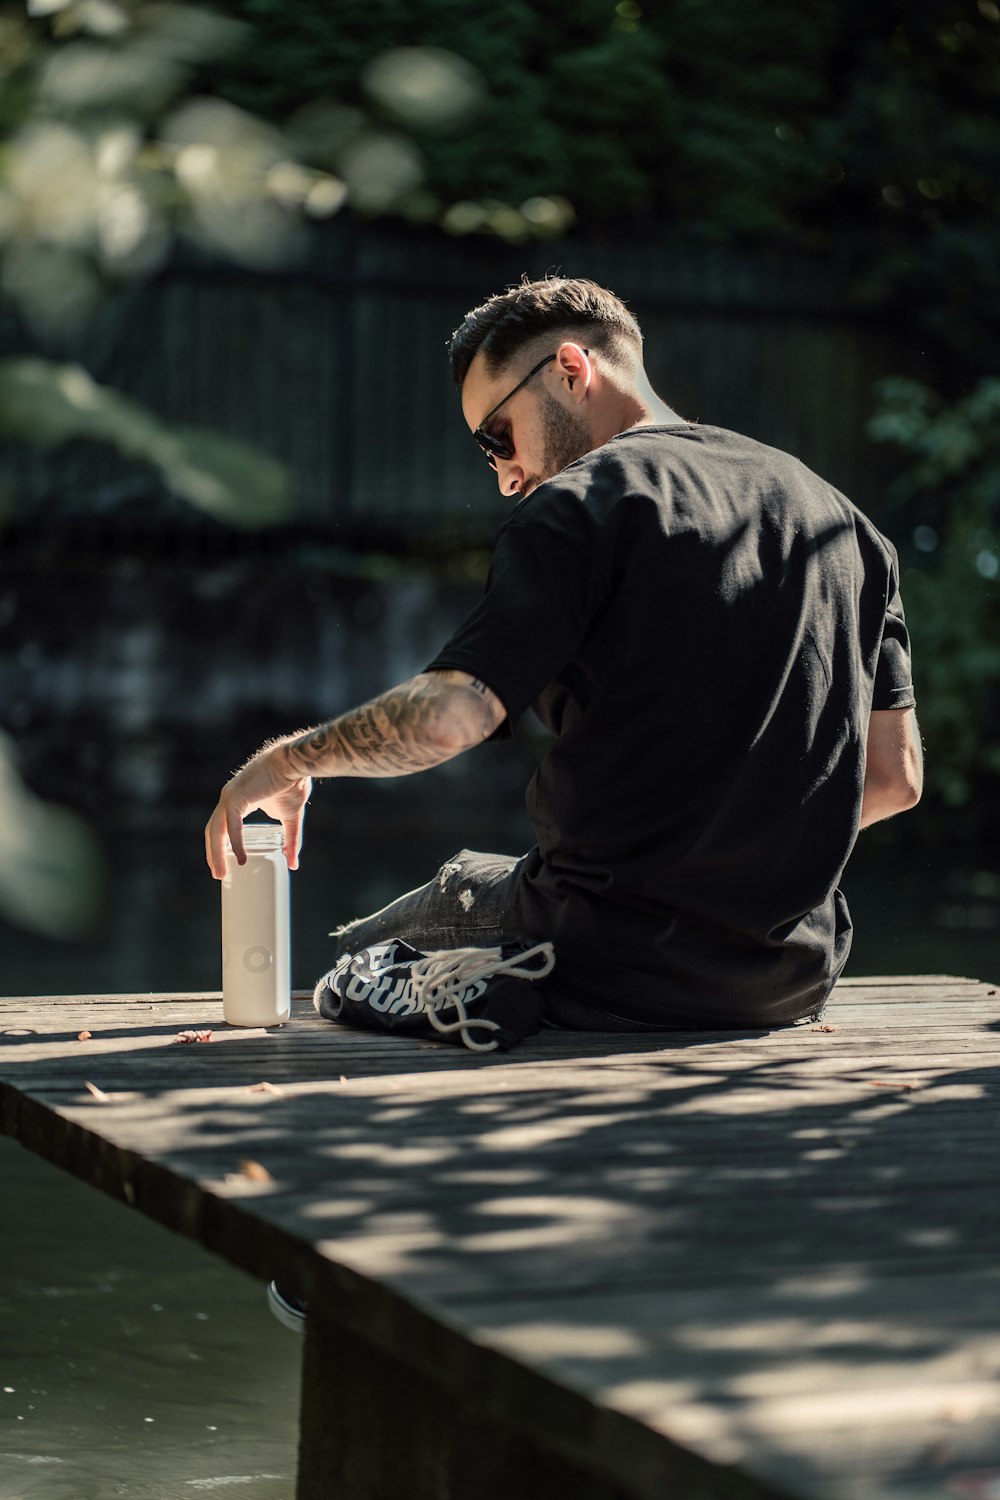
point(503, 324)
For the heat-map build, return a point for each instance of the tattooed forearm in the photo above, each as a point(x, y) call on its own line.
point(415, 726)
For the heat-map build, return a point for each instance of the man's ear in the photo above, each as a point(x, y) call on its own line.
point(575, 369)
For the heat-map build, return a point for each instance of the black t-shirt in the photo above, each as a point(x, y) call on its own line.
point(705, 626)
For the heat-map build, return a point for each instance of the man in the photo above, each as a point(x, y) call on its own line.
point(715, 638)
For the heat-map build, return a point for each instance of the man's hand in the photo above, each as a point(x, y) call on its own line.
point(422, 723)
point(268, 783)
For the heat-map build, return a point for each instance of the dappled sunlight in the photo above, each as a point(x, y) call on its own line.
point(757, 1374)
point(784, 1332)
point(582, 1340)
point(400, 1155)
point(752, 1243)
point(555, 1206)
point(495, 1177)
point(546, 1131)
point(344, 1208)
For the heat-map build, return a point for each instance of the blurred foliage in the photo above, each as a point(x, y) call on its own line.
point(837, 126)
point(49, 404)
point(947, 498)
point(105, 161)
point(51, 872)
point(115, 146)
point(117, 141)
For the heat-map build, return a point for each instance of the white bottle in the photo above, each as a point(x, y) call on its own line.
point(256, 963)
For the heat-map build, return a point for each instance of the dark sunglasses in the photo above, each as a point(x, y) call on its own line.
point(495, 447)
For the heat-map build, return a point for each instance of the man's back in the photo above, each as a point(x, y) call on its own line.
point(700, 621)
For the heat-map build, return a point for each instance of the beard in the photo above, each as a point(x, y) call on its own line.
point(565, 438)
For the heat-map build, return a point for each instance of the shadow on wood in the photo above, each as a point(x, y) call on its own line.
point(758, 1264)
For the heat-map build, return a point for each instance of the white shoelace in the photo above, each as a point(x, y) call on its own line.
point(439, 979)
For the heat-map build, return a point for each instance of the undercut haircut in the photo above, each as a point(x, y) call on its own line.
point(511, 320)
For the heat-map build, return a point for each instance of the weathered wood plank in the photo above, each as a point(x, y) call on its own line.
point(492, 1438)
point(828, 1373)
point(620, 1255)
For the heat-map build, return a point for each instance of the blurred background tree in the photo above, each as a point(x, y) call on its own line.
point(948, 498)
point(868, 131)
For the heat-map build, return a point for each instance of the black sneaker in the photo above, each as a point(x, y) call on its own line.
point(289, 1310)
point(484, 998)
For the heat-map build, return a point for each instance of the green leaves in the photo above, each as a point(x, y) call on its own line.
point(955, 444)
point(948, 493)
point(861, 128)
point(52, 404)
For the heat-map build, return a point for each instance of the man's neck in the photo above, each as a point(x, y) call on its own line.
point(633, 409)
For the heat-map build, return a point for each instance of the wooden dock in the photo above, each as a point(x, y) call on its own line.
point(604, 1268)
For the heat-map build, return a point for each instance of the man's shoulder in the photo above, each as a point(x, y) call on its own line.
point(641, 453)
point(628, 461)
point(688, 471)
point(653, 461)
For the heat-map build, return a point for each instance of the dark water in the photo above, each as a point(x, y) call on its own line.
point(132, 1363)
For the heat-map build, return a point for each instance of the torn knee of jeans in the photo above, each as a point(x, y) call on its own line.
point(453, 878)
point(446, 872)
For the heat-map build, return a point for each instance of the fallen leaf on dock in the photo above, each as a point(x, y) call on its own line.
point(84, 1036)
point(877, 1083)
point(193, 1036)
point(99, 1094)
point(255, 1171)
point(251, 1174)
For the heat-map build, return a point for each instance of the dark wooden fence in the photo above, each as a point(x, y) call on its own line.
point(338, 368)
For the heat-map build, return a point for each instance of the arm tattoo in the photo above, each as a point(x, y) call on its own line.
point(412, 727)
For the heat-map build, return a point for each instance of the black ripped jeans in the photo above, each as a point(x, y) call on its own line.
point(466, 906)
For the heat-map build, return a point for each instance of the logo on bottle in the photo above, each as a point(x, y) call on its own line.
point(257, 960)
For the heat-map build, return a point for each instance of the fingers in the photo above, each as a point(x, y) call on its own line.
point(292, 839)
point(224, 821)
point(214, 843)
point(234, 827)
point(262, 784)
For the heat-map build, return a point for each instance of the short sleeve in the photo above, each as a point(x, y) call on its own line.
point(541, 598)
point(893, 672)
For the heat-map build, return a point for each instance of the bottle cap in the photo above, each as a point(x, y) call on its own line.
point(259, 837)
